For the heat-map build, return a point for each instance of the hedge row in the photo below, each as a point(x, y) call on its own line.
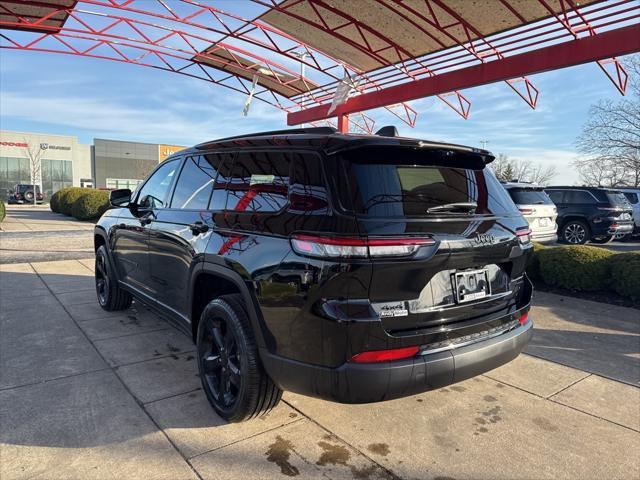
point(82, 203)
point(3, 211)
point(588, 269)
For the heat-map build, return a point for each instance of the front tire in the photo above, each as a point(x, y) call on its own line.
point(110, 296)
point(231, 372)
point(575, 232)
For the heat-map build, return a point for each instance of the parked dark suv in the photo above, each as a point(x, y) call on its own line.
point(591, 213)
point(23, 193)
point(350, 268)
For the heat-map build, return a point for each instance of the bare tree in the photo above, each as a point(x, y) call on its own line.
point(507, 169)
point(610, 139)
point(34, 154)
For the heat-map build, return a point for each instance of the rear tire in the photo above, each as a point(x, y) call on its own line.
point(576, 232)
point(110, 296)
point(28, 196)
point(232, 375)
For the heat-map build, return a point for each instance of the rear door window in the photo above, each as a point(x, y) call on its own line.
point(258, 182)
point(526, 196)
point(392, 182)
point(578, 197)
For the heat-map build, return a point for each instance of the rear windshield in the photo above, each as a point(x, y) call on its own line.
point(395, 182)
point(24, 188)
point(528, 196)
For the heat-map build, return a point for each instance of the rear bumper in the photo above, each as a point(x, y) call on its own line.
point(546, 237)
point(365, 383)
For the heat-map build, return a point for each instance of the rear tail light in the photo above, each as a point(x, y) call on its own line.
point(524, 236)
point(527, 210)
point(377, 356)
point(351, 247)
point(523, 318)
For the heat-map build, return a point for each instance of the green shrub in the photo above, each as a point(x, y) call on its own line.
point(576, 267)
point(68, 197)
point(3, 212)
point(533, 268)
point(54, 201)
point(91, 205)
point(625, 274)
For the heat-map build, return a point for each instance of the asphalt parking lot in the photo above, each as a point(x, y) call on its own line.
point(89, 394)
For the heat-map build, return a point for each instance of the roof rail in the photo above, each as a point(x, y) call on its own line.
point(290, 131)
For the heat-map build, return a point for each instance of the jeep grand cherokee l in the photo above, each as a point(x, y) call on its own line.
point(350, 268)
point(591, 213)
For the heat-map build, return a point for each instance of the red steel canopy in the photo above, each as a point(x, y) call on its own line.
point(296, 54)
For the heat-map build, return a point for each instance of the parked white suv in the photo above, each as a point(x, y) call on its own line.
point(633, 196)
point(538, 209)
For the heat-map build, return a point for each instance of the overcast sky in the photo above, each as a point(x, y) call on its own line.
point(91, 98)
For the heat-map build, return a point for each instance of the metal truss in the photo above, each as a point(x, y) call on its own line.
point(196, 39)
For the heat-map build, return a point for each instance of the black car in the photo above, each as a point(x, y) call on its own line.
point(350, 268)
point(591, 213)
point(23, 193)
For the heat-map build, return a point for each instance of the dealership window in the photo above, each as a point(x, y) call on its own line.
point(55, 174)
point(194, 185)
point(116, 183)
point(258, 182)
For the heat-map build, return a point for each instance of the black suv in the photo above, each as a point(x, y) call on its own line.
point(23, 193)
point(350, 268)
point(591, 213)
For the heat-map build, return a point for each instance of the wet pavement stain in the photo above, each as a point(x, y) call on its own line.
point(500, 385)
point(339, 455)
point(488, 416)
point(456, 388)
point(279, 452)
point(379, 449)
point(545, 424)
point(489, 398)
point(172, 348)
point(419, 400)
point(333, 454)
point(293, 415)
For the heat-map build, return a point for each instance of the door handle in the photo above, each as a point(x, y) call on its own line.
point(198, 227)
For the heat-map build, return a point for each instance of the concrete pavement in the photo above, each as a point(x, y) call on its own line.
point(90, 394)
point(36, 234)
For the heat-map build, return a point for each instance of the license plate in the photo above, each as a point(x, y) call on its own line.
point(471, 285)
point(543, 222)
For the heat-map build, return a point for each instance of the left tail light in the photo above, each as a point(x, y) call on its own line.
point(524, 236)
point(354, 247)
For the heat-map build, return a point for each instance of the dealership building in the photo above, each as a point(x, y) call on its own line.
point(65, 162)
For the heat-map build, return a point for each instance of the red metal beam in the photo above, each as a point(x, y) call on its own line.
point(621, 41)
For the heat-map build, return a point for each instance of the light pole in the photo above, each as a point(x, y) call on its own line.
point(302, 56)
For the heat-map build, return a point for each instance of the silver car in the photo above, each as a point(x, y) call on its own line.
point(633, 196)
point(537, 208)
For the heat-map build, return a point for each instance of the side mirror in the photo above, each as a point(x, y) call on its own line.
point(120, 197)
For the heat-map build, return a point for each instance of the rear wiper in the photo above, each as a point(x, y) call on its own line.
point(460, 207)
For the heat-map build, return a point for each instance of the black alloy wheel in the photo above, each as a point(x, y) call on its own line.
point(231, 372)
point(111, 296)
point(575, 232)
point(221, 362)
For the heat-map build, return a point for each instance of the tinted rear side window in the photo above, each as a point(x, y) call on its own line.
point(258, 182)
point(617, 198)
point(194, 185)
point(632, 197)
point(529, 196)
point(556, 195)
point(392, 182)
